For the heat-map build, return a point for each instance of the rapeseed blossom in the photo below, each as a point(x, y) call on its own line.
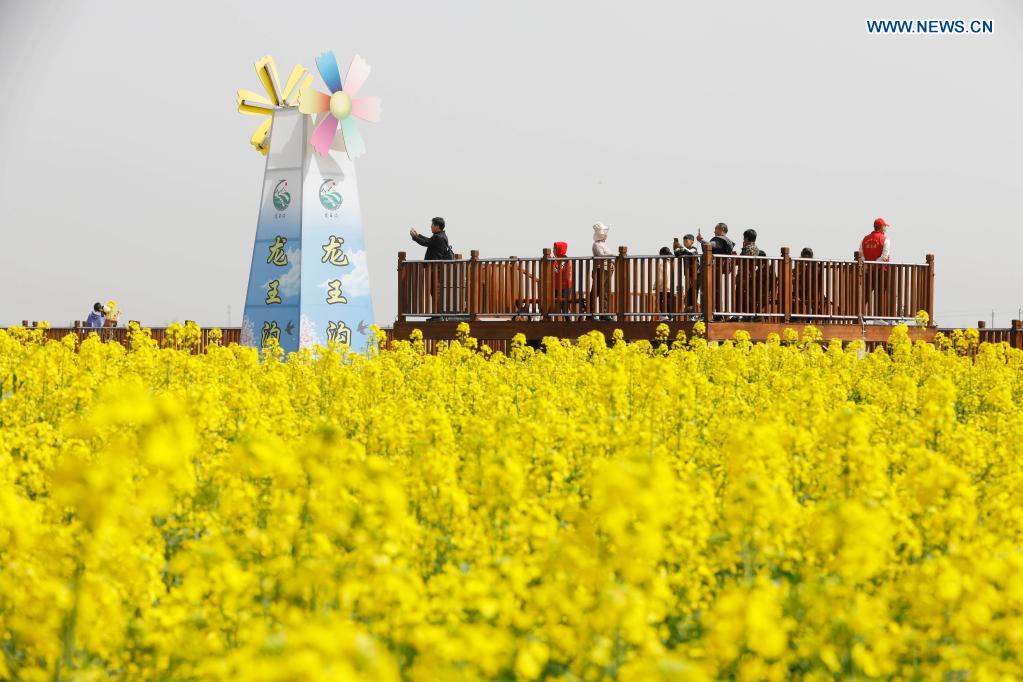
point(671, 510)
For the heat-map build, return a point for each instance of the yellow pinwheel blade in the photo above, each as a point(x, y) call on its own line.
point(266, 69)
point(261, 138)
point(297, 74)
point(253, 103)
point(306, 82)
point(313, 101)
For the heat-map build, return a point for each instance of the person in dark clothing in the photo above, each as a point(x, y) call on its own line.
point(687, 247)
point(687, 250)
point(720, 244)
point(749, 244)
point(437, 247)
point(438, 286)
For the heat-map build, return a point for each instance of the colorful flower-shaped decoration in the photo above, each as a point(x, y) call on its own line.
point(342, 106)
point(253, 103)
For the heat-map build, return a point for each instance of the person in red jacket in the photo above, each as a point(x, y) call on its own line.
point(562, 270)
point(876, 247)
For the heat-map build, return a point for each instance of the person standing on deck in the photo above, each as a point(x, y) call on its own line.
point(437, 247)
point(720, 244)
point(876, 247)
point(751, 296)
point(562, 270)
point(686, 247)
point(438, 287)
point(663, 294)
point(687, 251)
point(97, 318)
point(602, 269)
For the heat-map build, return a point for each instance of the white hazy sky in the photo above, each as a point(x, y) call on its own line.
point(125, 171)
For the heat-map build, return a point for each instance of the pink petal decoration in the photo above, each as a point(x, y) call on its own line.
point(358, 72)
point(323, 136)
point(366, 108)
point(313, 101)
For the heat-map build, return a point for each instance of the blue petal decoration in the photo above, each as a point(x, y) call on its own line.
point(326, 62)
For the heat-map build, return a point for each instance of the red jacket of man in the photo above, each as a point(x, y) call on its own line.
point(562, 269)
point(873, 246)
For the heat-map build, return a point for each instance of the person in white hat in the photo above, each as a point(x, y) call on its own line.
point(602, 269)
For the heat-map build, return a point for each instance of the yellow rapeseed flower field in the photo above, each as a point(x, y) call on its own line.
point(639, 511)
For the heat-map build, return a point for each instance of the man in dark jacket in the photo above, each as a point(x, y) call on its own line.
point(720, 244)
point(437, 247)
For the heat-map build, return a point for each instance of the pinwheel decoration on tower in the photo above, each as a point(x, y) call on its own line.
point(342, 106)
point(253, 103)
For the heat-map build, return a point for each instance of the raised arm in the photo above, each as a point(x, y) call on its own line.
point(423, 241)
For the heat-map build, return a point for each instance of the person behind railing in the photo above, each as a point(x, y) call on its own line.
point(690, 268)
point(876, 247)
point(603, 267)
point(437, 246)
point(749, 244)
point(720, 243)
point(662, 283)
point(687, 247)
point(808, 300)
point(562, 269)
point(750, 273)
point(96, 318)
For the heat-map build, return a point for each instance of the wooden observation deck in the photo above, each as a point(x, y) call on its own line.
point(566, 297)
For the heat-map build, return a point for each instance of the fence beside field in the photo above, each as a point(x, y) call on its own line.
point(645, 288)
point(499, 339)
point(120, 334)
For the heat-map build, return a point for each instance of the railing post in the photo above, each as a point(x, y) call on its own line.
point(454, 288)
point(860, 302)
point(547, 293)
point(622, 282)
point(473, 285)
point(514, 286)
point(786, 283)
point(930, 288)
point(402, 285)
point(707, 284)
point(1016, 338)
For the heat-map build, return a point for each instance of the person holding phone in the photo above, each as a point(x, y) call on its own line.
point(720, 244)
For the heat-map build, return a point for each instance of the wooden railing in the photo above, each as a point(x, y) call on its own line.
point(229, 335)
point(1012, 335)
point(644, 288)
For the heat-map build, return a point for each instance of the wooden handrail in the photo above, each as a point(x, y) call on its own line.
point(643, 288)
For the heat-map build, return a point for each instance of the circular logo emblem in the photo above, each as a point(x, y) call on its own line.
point(281, 196)
point(329, 196)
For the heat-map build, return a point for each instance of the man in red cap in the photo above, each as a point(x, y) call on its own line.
point(876, 247)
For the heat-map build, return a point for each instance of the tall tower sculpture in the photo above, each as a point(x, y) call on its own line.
point(309, 278)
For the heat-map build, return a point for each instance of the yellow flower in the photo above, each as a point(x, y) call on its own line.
point(576, 511)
